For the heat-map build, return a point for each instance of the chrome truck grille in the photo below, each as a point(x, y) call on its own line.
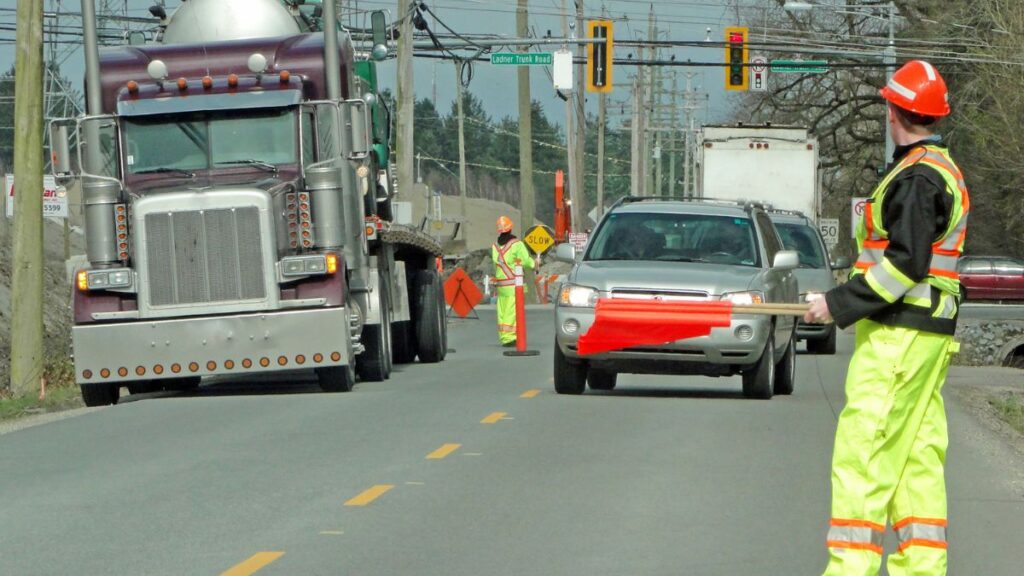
point(204, 256)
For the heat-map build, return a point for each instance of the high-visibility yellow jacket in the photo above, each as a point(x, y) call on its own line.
point(910, 239)
point(505, 256)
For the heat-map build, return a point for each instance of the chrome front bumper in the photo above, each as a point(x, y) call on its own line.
point(206, 346)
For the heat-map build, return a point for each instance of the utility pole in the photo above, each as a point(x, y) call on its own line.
point(652, 94)
point(636, 184)
point(672, 137)
point(527, 205)
point(570, 138)
point(602, 108)
point(462, 142)
point(579, 200)
point(405, 148)
point(27, 289)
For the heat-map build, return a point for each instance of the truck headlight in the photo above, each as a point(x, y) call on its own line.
point(578, 296)
point(104, 279)
point(747, 297)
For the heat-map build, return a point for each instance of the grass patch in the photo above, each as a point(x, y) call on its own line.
point(61, 393)
point(1009, 408)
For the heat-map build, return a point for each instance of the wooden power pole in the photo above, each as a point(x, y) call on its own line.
point(527, 196)
point(27, 290)
point(405, 148)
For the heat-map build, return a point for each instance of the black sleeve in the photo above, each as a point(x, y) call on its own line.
point(915, 213)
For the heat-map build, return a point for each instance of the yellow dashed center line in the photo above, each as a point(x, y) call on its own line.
point(493, 418)
point(530, 393)
point(369, 495)
point(254, 563)
point(443, 451)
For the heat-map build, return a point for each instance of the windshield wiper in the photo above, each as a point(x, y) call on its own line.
point(165, 169)
point(250, 162)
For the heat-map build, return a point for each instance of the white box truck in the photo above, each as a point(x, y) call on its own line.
point(777, 165)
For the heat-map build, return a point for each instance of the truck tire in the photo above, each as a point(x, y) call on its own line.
point(428, 317)
point(403, 345)
point(826, 345)
point(759, 380)
point(336, 378)
point(601, 379)
point(569, 378)
point(100, 394)
point(443, 317)
point(785, 370)
point(372, 364)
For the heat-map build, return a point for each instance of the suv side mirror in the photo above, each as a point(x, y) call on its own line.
point(841, 263)
point(786, 260)
point(565, 253)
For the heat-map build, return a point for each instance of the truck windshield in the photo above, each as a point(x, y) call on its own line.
point(804, 240)
point(674, 237)
point(204, 140)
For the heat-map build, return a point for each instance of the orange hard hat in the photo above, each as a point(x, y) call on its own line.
point(504, 224)
point(919, 88)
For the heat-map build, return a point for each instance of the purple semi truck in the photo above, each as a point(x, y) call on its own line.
point(237, 212)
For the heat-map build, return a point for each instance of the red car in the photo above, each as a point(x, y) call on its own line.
point(992, 278)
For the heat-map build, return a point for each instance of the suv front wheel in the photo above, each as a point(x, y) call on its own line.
point(569, 378)
point(759, 379)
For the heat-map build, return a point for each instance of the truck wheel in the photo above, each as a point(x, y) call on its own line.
point(403, 345)
point(785, 370)
point(336, 378)
point(824, 346)
point(569, 378)
point(759, 380)
point(428, 321)
point(372, 364)
point(601, 379)
point(442, 317)
point(100, 394)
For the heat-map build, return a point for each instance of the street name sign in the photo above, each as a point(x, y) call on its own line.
point(800, 66)
point(522, 59)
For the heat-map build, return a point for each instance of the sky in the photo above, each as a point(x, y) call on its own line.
point(496, 85)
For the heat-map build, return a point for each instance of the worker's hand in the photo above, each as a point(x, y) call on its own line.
point(819, 313)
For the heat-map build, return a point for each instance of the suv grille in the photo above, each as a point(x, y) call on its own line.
point(665, 295)
point(204, 256)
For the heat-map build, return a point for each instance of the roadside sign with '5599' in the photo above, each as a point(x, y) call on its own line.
point(55, 198)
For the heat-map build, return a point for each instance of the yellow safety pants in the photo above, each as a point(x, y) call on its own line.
point(506, 314)
point(890, 452)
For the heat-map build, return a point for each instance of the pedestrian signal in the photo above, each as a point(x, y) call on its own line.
point(599, 57)
point(736, 77)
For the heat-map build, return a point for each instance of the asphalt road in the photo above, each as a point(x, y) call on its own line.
point(474, 466)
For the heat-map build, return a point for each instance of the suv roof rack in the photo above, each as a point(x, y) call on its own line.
point(742, 203)
point(788, 212)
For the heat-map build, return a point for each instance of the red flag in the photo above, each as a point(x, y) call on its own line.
point(620, 324)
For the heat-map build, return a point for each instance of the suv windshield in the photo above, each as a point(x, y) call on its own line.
point(675, 238)
point(804, 240)
point(205, 140)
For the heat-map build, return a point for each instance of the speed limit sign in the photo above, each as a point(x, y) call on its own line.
point(829, 228)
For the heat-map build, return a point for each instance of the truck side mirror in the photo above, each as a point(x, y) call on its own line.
point(60, 150)
point(357, 118)
point(379, 33)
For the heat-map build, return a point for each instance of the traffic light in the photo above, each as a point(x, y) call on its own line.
point(599, 57)
point(736, 77)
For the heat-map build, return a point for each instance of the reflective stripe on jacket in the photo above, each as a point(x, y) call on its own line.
point(885, 279)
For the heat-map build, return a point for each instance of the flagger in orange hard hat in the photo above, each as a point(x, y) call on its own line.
point(506, 253)
point(919, 88)
point(504, 224)
point(888, 463)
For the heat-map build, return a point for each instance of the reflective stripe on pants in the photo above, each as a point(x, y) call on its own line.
point(506, 314)
point(890, 450)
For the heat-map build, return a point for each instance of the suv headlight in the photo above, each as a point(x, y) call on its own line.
point(811, 296)
point(577, 296)
point(748, 297)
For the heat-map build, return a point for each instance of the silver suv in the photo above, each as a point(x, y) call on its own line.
point(815, 274)
point(648, 248)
